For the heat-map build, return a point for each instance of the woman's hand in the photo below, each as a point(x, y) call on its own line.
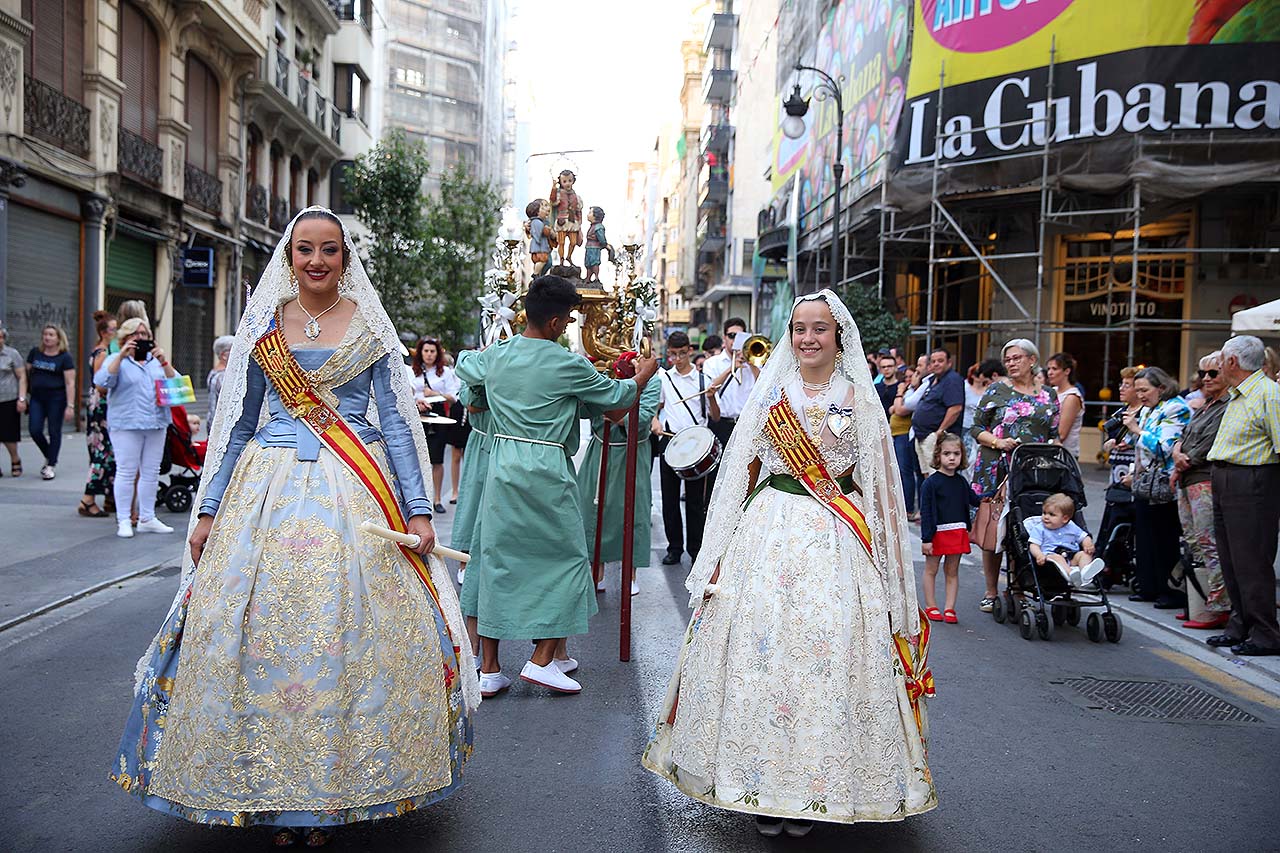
point(1005, 445)
point(1131, 422)
point(199, 536)
point(70, 414)
point(159, 355)
point(422, 405)
point(421, 526)
point(1108, 445)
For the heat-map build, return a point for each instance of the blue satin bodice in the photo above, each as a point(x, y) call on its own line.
point(283, 430)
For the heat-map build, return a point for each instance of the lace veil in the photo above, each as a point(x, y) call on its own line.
point(876, 471)
point(275, 288)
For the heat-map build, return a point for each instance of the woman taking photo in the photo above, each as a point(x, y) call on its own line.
point(1208, 607)
point(102, 461)
point(51, 378)
point(799, 692)
point(136, 422)
point(1061, 374)
point(433, 378)
point(1020, 411)
point(308, 674)
point(1155, 508)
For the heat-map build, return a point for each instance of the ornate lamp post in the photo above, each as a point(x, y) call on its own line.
point(793, 126)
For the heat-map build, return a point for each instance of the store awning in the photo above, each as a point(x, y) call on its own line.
point(1263, 319)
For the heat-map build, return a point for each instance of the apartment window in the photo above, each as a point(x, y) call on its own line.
point(338, 202)
point(296, 201)
point(202, 113)
point(55, 48)
point(349, 90)
point(356, 10)
point(140, 72)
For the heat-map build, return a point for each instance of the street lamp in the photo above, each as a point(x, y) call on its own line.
point(793, 127)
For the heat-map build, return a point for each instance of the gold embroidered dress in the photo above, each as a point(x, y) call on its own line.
point(309, 679)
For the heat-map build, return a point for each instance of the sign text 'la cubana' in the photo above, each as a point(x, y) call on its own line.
point(1120, 67)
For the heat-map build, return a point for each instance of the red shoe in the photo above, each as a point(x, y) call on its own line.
point(1180, 616)
point(934, 614)
point(1209, 624)
point(949, 616)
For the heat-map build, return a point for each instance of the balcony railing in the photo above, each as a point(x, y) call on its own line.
point(709, 236)
point(717, 85)
point(255, 204)
point(55, 118)
point(715, 138)
point(335, 124)
point(279, 214)
point(356, 10)
point(279, 71)
point(202, 189)
point(139, 159)
point(720, 31)
point(302, 92)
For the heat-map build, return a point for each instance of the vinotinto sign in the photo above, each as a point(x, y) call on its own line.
point(1120, 66)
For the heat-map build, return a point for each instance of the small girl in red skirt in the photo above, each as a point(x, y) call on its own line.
point(945, 499)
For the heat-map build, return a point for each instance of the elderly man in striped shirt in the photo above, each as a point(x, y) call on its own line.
point(1246, 499)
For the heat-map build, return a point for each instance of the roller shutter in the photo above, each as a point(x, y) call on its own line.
point(43, 276)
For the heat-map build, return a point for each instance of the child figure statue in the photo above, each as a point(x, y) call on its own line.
point(568, 215)
point(596, 242)
point(538, 230)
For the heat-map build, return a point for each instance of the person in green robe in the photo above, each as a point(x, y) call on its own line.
point(615, 484)
point(475, 464)
point(535, 577)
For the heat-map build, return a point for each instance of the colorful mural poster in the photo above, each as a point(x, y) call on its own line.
point(864, 44)
point(1119, 66)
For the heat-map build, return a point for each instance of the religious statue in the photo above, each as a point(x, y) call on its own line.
point(567, 207)
point(538, 229)
point(596, 242)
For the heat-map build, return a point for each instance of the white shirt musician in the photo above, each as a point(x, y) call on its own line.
point(688, 399)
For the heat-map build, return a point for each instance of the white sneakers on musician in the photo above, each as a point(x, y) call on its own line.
point(635, 587)
point(550, 677)
point(493, 683)
point(124, 527)
point(567, 665)
point(462, 573)
point(153, 525)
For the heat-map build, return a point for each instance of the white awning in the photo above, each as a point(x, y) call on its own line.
point(1264, 319)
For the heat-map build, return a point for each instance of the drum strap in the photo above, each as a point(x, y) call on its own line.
point(702, 386)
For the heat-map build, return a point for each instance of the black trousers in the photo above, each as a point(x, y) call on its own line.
point(1158, 537)
point(1246, 513)
point(696, 493)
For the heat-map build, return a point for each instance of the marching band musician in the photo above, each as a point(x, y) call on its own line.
point(688, 399)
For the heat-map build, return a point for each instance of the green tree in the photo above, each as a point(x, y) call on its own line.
point(425, 256)
point(876, 323)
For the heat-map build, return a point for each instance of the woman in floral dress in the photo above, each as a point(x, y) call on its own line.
point(102, 461)
point(799, 692)
point(1019, 410)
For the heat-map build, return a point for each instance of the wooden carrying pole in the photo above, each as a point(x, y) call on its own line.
point(628, 532)
point(597, 567)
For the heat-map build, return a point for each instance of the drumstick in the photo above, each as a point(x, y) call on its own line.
point(710, 390)
point(411, 540)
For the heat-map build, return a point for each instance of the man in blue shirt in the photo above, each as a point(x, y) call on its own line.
point(940, 408)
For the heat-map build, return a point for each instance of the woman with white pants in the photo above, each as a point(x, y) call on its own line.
point(136, 423)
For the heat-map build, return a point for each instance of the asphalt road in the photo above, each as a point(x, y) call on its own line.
point(1021, 760)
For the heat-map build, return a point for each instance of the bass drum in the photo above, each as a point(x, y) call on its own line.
point(693, 453)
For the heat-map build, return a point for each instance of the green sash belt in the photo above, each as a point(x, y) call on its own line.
point(792, 486)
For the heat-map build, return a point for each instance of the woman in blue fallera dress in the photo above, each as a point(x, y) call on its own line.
point(307, 674)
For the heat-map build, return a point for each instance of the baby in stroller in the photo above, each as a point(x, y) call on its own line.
point(1056, 539)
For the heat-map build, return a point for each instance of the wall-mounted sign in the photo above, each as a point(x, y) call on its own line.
point(1098, 311)
point(197, 267)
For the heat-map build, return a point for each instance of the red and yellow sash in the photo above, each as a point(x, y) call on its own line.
point(302, 401)
point(805, 462)
point(801, 455)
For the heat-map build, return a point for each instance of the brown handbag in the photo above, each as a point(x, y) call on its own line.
point(985, 531)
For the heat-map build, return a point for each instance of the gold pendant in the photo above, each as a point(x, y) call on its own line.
point(815, 414)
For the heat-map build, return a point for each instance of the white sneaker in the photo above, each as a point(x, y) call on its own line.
point(635, 588)
point(567, 665)
point(493, 683)
point(47, 472)
point(124, 529)
point(549, 677)
point(600, 587)
point(1091, 571)
point(462, 573)
point(153, 525)
point(1074, 577)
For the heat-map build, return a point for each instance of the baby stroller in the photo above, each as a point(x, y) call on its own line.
point(1116, 539)
point(182, 461)
point(1038, 598)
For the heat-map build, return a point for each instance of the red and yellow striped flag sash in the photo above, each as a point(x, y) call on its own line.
point(801, 456)
point(919, 677)
point(302, 401)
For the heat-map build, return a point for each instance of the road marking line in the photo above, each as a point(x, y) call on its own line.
point(76, 596)
point(1222, 679)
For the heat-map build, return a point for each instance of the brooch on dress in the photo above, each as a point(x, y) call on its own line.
point(840, 421)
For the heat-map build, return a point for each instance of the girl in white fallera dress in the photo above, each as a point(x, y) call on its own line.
point(799, 691)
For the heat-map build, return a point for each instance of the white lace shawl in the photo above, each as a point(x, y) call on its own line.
point(274, 288)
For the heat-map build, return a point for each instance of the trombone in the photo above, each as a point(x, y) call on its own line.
point(756, 351)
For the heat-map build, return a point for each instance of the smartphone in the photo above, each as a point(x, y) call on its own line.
point(142, 348)
point(740, 340)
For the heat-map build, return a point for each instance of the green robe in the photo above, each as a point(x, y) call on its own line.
point(589, 482)
point(475, 462)
point(535, 580)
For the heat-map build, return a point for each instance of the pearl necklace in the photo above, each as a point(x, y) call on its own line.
point(817, 386)
point(312, 329)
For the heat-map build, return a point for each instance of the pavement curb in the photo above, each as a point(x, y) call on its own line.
point(1175, 631)
point(79, 594)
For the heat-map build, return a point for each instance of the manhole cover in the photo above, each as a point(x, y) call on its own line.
point(1159, 700)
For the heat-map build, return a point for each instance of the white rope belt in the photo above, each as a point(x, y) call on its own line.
point(529, 440)
point(480, 432)
point(599, 440)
